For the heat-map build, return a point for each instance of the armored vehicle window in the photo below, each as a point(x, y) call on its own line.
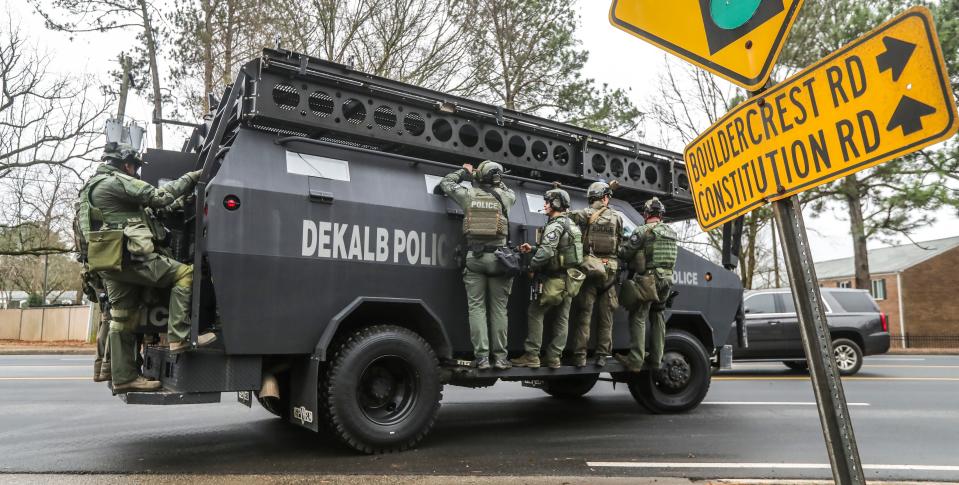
point(314, 166)
point(761, 303)
point(535, 203)
point(855, 301)
point(433, 180)
point(628, 225)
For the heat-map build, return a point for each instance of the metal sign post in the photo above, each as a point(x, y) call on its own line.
point(830, 398)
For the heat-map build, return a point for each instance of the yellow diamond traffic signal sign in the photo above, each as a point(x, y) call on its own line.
point(884, 95)
point(738, 40)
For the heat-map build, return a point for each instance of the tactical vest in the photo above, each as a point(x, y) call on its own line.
point(602, 233)
point(92, 218)
point(89, 218)
point(484, 216)
point(660, 246)
point(569, 250)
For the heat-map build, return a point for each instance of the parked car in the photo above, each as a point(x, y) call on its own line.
point(856, 326)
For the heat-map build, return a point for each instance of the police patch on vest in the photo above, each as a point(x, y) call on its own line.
point(552, 236)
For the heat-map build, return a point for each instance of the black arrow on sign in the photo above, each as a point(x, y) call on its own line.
point(896, 56)
point(909, 115)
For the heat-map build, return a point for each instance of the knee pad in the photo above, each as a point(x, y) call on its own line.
point(124, 319)
point(184, 276)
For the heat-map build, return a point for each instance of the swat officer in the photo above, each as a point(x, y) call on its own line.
point(651, 249)
point(486, 208)
point(114, 202)
point(559, 248)
point(95, 291)
point(602, 230)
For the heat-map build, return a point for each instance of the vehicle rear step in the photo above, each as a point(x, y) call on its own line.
point(206, 371)
point(166, 397)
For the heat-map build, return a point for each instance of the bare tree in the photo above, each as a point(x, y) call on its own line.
point(48, 132)
point(36, 209)
point(44, 119)
point(687, 101)
point(421, 42)
point(83, 16)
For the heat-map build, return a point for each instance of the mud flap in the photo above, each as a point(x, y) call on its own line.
point(304, 385)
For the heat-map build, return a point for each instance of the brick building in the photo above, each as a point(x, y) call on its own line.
point(915, 285)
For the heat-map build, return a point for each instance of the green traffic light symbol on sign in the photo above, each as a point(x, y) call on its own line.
point(727, 21)
point(732, 14)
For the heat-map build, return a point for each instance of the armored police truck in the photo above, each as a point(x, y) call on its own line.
point(326, 259)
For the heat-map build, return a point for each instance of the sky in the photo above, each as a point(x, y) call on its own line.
point(615, 58)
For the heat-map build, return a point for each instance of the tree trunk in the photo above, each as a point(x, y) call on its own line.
point(206, 37)
point(228, 43)
point(857, 229)
point(154, 72)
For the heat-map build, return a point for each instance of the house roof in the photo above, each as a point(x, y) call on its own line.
point(888, 260)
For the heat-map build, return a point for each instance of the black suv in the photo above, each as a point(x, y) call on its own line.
point(857, 327)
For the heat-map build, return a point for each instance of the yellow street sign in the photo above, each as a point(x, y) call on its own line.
point(736, 39)
point(882, 96)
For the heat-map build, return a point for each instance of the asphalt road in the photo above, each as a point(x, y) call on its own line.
point(758, 421)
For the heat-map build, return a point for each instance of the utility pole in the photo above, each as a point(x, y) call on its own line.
point(124, 87)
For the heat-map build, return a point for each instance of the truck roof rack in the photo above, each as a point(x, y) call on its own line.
point(293, 94)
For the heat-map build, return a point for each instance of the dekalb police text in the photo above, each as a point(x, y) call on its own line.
point(334, 240)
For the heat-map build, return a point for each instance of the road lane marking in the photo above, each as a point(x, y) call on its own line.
point(42, 366)
point(789, 466)
point(798, 378)
point(909, 366)
point(46, 379)
point(897, 359)
point(775, 403)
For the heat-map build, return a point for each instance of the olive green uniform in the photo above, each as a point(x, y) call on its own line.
point(119, 202)
point(601, 240)
point(487, 288)
point(651, 247)
point(93, 288)
point(553, 254)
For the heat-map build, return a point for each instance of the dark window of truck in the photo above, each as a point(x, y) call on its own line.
point(761, 303)
point(855, 301)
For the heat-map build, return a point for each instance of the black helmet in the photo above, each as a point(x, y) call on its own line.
point(558, 198)
point(653, 207)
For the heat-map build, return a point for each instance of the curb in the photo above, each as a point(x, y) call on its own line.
point(46, 351)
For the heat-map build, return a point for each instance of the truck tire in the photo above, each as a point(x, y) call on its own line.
point(278, 406)
point(381, 392)
point(570, 387)
point(848, 356)
point(683, 383)
point(796, 364)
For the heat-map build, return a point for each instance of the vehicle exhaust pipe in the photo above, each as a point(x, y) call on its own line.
point(269, 388)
